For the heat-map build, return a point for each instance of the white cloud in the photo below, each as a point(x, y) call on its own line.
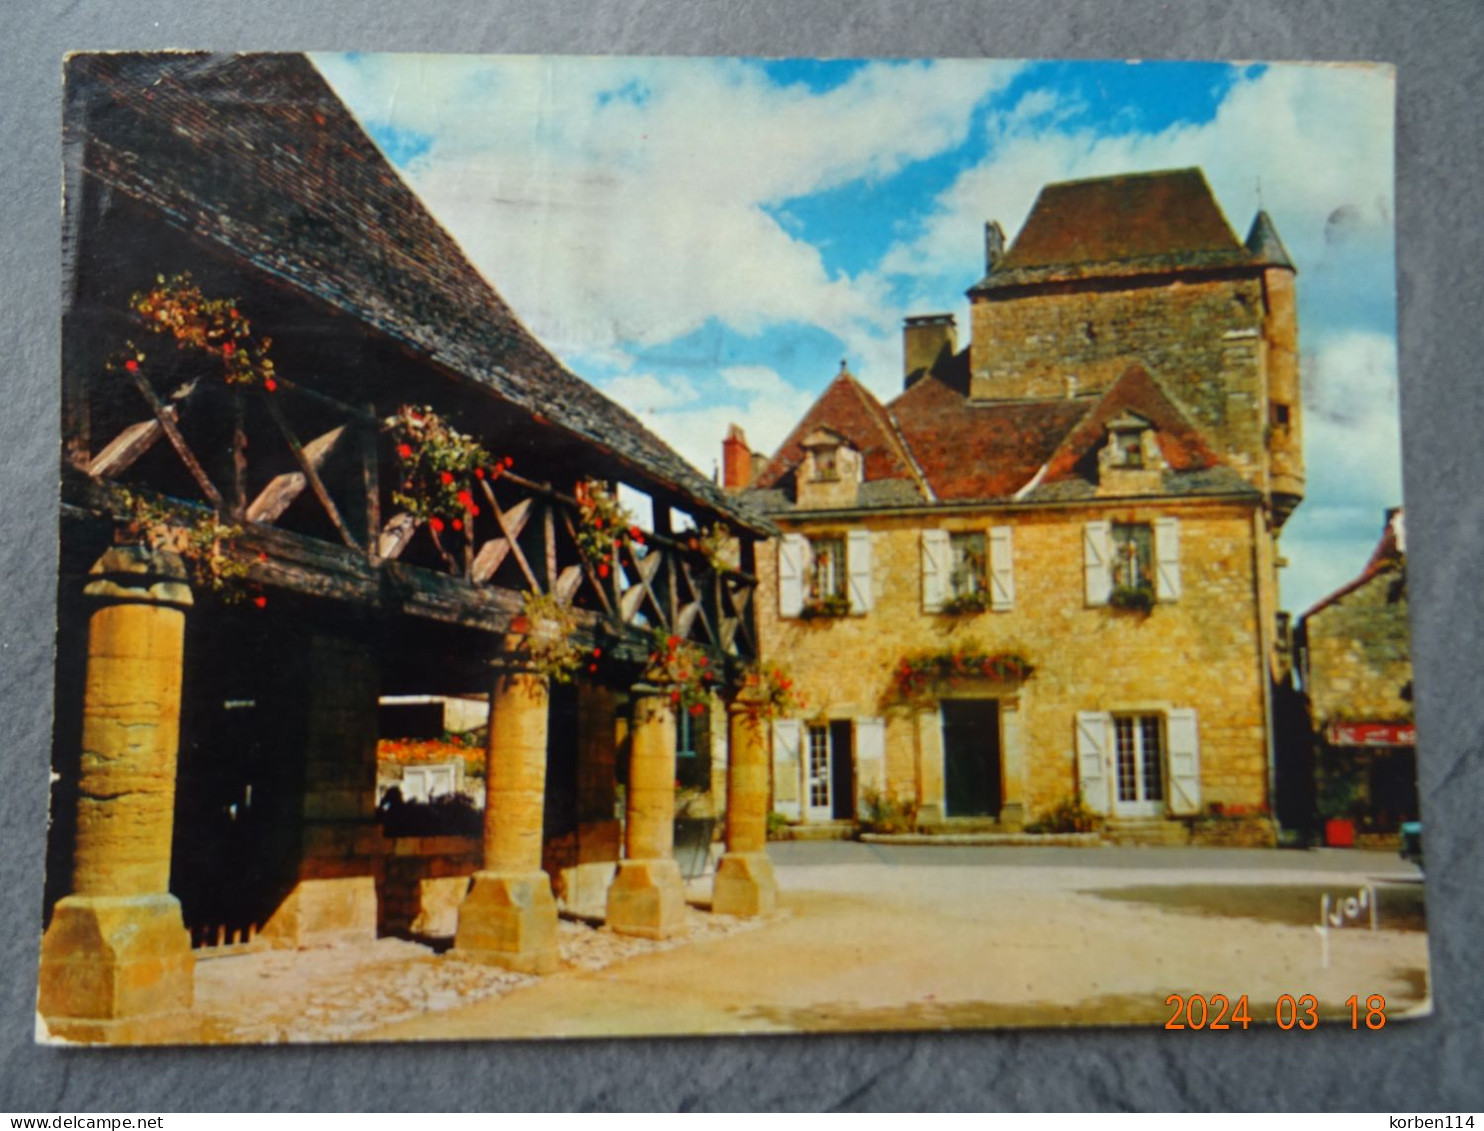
point(645, 393)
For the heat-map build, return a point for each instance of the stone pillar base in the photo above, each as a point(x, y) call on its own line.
point(327, 912)
point(647, 899)
point(1012, 815)
point(118, 970)
point(745, 885)
point(510, 921)
point(930, 813)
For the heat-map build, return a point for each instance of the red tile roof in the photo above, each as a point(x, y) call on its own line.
point(980, 451)
point(848, 408)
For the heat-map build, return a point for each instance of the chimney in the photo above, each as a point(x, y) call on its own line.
point(927, 341)
point(994, 244)
point(736, 460)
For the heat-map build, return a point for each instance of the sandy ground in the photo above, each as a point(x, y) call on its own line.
point(884, 943)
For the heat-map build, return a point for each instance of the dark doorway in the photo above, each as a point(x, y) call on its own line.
point(842, 771)
point(971, 758)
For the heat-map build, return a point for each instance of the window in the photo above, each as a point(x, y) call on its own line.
point(1133, 556)
point(966, 569)
point(826, 465)
point(827, 571)
point(1130, 565)
point(1140, 758)
point(1129, 448)
point(1280, 415)
point(818, 770)
point(824, 574)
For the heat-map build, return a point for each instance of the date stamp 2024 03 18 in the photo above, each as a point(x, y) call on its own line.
point(1218, 1011)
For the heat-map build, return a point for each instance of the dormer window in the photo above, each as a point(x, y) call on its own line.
point(1128, 440)
point(826, 464)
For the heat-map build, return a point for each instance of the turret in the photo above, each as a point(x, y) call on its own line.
point(1284, 391)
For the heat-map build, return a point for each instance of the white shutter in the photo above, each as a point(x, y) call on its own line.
point(1167, 559)
point(1001, 570)
point(793, 566)
point(870, 761)
point(858, 563)
point(937, 561)
point(1093, 731)
point(788, 738)
point(1185, 762)
point(1097, 561)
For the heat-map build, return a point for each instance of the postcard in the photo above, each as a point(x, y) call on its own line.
point(564, 547)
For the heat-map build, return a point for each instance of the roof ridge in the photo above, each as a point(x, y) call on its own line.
point(888, 424)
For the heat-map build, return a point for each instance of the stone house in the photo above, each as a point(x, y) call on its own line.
point(1047, 569)
point(242, 579)
point(1355, 665)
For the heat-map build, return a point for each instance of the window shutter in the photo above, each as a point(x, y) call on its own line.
point(1167, 559)
point(870, 761)
point(1185, 762)
point(1001, 570)
point(1093, 730)
point(1097, 561)
point(936, 564)
point(858, 563)
point(788, 739)
point(793, 565)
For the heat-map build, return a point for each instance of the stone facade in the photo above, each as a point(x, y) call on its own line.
point(1093, 487)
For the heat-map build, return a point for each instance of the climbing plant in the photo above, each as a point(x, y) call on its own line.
point(215, 327)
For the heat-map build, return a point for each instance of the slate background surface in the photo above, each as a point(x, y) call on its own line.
point(1433, 1065)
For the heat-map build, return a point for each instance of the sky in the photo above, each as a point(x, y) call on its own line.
point(706, 240)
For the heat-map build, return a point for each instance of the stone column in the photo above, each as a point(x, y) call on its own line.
point(929, 768)
point(116, 962)
point(646, 897)
point(745, 884)
point(1012, 735)
point(509, 917)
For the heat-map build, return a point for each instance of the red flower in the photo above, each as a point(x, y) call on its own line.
point(697, 709)
point(479, 473)
point(262, 556)
point(436, 523)
point(636, 534)
point(234, 313)
point(260, 602)
point(446, 477)
point(592, 667)
point(597, 652)
point(703, 661)
point(270, 384)
point(602, 569)
point(473, 509)
point(458, 524)
point(131, 365)
point(466, 498)
point(674, 697)
point(508, 462)
point(404, 451)
point(673, 642)
point(228, 349)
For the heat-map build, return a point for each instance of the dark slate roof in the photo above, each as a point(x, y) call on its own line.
point(848, 408)
point(1136, 223)
point(256, 153)
point(1266, 245)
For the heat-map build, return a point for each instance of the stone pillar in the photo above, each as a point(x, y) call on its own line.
point(509, 917)
point(745, 884)
point(929, 768)
point(334, 899)
point(646, 897)
point(599, 833)
point(116, 962)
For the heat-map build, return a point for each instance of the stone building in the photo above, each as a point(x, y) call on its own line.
point(1355, 664)
point(215, 759)
point(1047, 569)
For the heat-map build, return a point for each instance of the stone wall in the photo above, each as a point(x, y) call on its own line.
point(1203, 651)
point(1360, 654)
point(1202, 338)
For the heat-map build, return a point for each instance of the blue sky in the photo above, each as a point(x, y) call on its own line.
point(706, 239)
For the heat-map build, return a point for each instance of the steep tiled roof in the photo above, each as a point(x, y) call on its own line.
point(256, 154)
point(847, 408)
point(1389, 555)
point(1135, 391)
point(1119, 225)
point(979, 451)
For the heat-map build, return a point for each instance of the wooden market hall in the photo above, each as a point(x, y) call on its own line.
point(243, 580)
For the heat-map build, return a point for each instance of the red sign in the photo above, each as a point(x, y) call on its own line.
point(1372, 734)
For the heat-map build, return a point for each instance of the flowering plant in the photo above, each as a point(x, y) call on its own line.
point(603, 525)
point(769, 692)
point(549, 625)
point(915, 672)
point(176, 306)
point(205, 543)
point(440, 467)
point(684, 669)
